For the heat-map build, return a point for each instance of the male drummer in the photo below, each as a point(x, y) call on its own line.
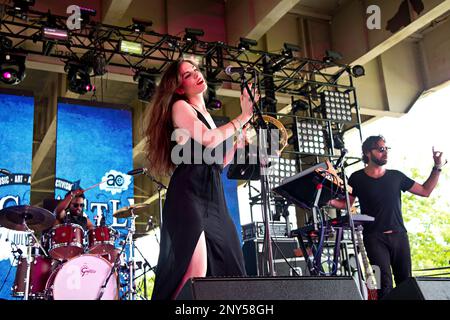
point(74, 201)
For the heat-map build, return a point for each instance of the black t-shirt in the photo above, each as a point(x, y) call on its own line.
point(80, 220)
point(381, 199)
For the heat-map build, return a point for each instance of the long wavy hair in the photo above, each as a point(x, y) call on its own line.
point(159, 121)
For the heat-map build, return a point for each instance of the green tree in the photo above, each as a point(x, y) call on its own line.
point(140, 287)
point(428, 224)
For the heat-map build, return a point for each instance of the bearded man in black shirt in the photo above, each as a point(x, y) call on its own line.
point(379, 193)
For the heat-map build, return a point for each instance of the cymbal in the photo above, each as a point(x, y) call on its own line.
point(36, 218)
point(126, 212)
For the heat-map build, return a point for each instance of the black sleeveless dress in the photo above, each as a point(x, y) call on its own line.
point(195, 202)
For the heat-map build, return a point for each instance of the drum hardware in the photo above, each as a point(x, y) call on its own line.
point(14, 251)
point(80, 278)
point(144, 274)
point(28, 219)
point(125, 213)
point(66, 241)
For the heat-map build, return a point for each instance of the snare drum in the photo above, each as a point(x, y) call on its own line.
point(81, 278)
point(101, 240)
point(66, 241)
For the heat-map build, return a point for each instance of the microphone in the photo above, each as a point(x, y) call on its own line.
point(240, 70)
point(4, 171)
point(137, 171)
point(150, 224)
point(341, 158)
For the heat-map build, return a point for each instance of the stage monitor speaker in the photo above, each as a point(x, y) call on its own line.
point(270, 288)
point(421, 288)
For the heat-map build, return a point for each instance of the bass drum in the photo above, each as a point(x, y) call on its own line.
point(81, 278)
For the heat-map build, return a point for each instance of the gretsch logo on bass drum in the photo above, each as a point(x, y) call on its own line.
point(86, 270)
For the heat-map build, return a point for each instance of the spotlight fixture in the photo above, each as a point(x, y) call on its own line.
point(95, 62)
point(338, 141)
point(331, 56)
point(289, 49)
point(54, 34)
point(358, 71)
point(23, 5)
point(131, 47)
point(12, 68)
point(245, 44)
point(336, 106)
point(192, 34)
point(310, 137)
point(78, 78)
point(146, 84)
point(5, 43)
point(140, 25)
point(86, 14)
point(298, 105)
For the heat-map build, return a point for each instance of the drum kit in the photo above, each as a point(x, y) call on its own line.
point(69, 263)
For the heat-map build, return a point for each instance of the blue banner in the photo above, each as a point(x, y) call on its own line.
point(16, 145)
point(231, 197)
point(94, 145)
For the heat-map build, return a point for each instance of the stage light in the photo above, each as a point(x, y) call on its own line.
point(358, 71)
point(140, 25)
point(23, 5)
point(310, 137)
point(5, 43)
point(338, 140)
point(146, 85)
point(54, 34)
point(331, 56)
point(336, 106)
point(12, 68)
point(192, 34)
point(298, 105)
point(280, 169)
point(78, 78)
point(291, 47)
point(245, 44)
point(289, 50)
point(131, 47)
point(95, 62)
point(86, 14)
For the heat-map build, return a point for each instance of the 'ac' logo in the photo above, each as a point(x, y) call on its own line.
point(115, 182)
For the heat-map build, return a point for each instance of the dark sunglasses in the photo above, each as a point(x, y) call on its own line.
point(381, 149)
point(76, 205)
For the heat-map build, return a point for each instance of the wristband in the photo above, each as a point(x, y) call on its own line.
point(435, 168)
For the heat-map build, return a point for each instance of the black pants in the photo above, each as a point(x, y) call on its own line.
point(387, 250)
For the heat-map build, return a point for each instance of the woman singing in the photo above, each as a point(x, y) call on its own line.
point(198, 237)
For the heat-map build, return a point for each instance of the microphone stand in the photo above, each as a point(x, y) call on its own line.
point(262, 127)
point(146, 263)
point(350, 219)
point(160, 186)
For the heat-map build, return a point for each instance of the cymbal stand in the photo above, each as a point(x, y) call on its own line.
point(146, 263)
point(160, 186)
point(113, 269)
point(30, 242)
point(131, 267)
